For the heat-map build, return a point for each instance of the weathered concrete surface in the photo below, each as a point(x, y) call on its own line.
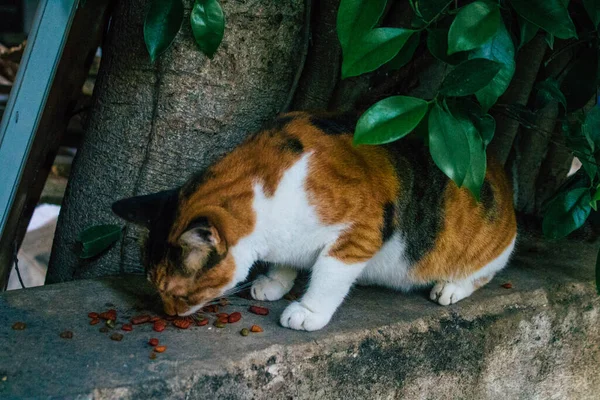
point(538, 340)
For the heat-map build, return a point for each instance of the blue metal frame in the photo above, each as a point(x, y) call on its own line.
point(28, 97)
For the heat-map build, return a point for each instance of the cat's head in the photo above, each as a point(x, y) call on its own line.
point(185, 258)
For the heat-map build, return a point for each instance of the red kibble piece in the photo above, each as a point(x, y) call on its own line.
point(95, 321)
point(223, 320)
point(127, 327)
point(259, 310)
point(182, 323)
point(234, 317)
point(140, 319)
point(93, 315)
point(221, 315)
point(507, 285)
point(202, 322)
point(159, 325)
point(256, 329)
point(154, 319)
point(153, 342)
point(160, 349)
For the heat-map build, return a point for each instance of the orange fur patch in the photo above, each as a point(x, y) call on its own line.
point(470, 239)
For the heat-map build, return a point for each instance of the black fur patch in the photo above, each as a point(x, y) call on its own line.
point(421, 201)
point(279, 123)
point(292, 144)
point(387, 230)
point(488, 201)
point(335, 125)
point(157, 247)
point(195, 181)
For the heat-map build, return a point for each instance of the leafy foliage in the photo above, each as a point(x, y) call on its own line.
point(162, 23)
point(96, 239)
point(165, 17)
point(208, 25)
point(475, 41)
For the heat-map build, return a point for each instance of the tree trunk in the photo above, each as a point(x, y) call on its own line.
point(153, 125)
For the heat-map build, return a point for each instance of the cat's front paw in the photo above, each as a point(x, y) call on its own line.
point(265, 288)
point(446, 293)
point(296, 316)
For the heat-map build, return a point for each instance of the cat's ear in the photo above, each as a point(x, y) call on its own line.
point(202, 245)
point(142, 210)
point(201, 232)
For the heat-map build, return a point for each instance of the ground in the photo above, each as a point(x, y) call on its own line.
point(538, 339)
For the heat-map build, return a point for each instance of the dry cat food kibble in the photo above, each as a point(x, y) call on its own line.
point(152, 355)
point(93, 315)
point(117, 337)
point(159, 325)
point(244, 332)
point(110, 323)
point(256, 329)
point(140, 319)
point(182, 323)
point(219, 324)
point(104, 329)
point(66, 335)
point(234, 317)
point(202, 322)
point(153, 342)
point(127, 327)
point(19, 326)
point(223, 320)
point(95, 321)
point(259, 310)
point(507, 285)
point(221, 315)
point(154, 319)
point(110, 315)
point(160, 349)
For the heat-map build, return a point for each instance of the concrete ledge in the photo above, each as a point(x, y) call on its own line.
point(540, 339)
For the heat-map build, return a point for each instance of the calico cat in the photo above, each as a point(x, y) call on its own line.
point(299, 195)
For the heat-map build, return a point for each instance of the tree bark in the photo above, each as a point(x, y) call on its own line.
point(153, 125)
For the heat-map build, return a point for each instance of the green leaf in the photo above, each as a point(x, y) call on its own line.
point(549, 40)
point(580, 82)
point(547, 92)
point(469, 77)
point(478, 158)
point(406, 53)
point(98, 238)
point(499, 48)
point(474, 24)
point(429, 9)
point(528, 31)
point(448, 144)
point(389, 120)
point(355, 18)
point(593, 9)
point(437, 43)
point(161, 25)
point(551, 15)
point(484, 123)
point(208, 25)
point(598, 273)
point(566, 213)
point(591, 127)
point(375, 49)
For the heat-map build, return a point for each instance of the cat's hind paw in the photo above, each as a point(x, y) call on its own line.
point(265, 288)
point(446, 293)
point(297, 316)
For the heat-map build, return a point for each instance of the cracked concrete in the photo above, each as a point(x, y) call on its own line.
point(538, 340)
